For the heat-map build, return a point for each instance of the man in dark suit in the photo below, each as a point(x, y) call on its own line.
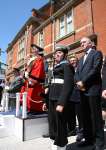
point(88, 80)
point(104, 92)
point(104, 80)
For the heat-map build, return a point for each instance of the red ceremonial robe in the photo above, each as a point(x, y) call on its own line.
point(36, 76)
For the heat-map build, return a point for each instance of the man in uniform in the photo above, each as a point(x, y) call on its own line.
point(60, 89)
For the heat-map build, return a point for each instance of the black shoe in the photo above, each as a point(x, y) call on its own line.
point(46, 135)
point(98, 148)
point(85, 143)
point(79, 137)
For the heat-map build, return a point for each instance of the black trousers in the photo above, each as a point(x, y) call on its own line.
point(74, 109)
point(92, 119)
point(57, 125)
point(71, 116)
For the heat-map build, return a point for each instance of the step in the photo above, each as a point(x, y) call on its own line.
point(31, 128)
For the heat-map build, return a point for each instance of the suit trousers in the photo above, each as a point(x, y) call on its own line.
point(71, 116)
point(92, 119)
point(57, 125)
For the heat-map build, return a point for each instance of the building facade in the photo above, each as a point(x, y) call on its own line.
point(59, 22)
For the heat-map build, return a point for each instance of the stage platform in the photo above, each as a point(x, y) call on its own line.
point(34, 126)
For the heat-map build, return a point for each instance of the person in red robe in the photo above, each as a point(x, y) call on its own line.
point(35, 75)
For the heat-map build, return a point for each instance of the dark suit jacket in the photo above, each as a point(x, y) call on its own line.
point(90, 73)
point(104, 76)
point(104, 84)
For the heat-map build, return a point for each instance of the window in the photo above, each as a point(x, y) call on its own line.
point(10, 57)
point(69, 22)
point(66, 24)
point(41, 41)
point(62, 26)
point(21, 50)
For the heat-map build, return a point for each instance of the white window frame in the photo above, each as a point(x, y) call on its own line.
point(10, 58)
point(21, 48)
point(41, 39)
point(66, 25)
point(62, 26)
point(69, 22)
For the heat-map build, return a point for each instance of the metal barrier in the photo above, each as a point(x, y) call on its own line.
point(5, 104)
point(19, 112)
point(24, 106)
point(7, 101)
point(17, 104)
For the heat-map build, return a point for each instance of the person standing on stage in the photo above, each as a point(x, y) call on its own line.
point(104, 92)
point(35, 76)
point(60, 89)
point(88, 81)
point(74, 104)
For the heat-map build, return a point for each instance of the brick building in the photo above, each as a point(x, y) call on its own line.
point(59, 21)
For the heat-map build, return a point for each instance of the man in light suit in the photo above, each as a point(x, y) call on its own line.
point(88, 80)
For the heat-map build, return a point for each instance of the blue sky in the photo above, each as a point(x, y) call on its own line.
point(13, 15)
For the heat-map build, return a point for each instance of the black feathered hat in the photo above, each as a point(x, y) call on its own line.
point(16, 70)
point(40, 49)
point(62, 48)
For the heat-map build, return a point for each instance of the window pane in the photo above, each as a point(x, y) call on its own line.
point(62, 26)
point(69, 22)
point(41, 42)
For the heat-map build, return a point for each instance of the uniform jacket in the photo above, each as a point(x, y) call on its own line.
point(104, 84)
point(61, 92)
point(90, 72)
point(104, 76)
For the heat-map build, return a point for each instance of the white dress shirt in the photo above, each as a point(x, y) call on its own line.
point(86, 55)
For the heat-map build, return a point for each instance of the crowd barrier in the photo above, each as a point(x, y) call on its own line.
point(5, 104)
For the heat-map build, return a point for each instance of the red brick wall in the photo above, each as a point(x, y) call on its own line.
point(82, 22)
point(83, 26)
point(99, 15)
point(15, 54)
point(48, 38)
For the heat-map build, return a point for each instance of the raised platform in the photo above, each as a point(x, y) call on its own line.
point(34, 126)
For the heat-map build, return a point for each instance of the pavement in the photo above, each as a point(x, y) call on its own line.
point(12, 143)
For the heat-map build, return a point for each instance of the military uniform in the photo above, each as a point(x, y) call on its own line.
point(60, 89)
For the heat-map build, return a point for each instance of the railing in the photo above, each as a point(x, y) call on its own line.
point(5, 104)
point(2, 71)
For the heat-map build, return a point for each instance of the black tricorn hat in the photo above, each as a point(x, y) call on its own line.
point(36, 46)
point(16, 70)
point(33, 9)
point(62, 48)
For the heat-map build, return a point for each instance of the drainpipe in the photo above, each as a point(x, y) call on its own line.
point(92, 17)
point(52, 24)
